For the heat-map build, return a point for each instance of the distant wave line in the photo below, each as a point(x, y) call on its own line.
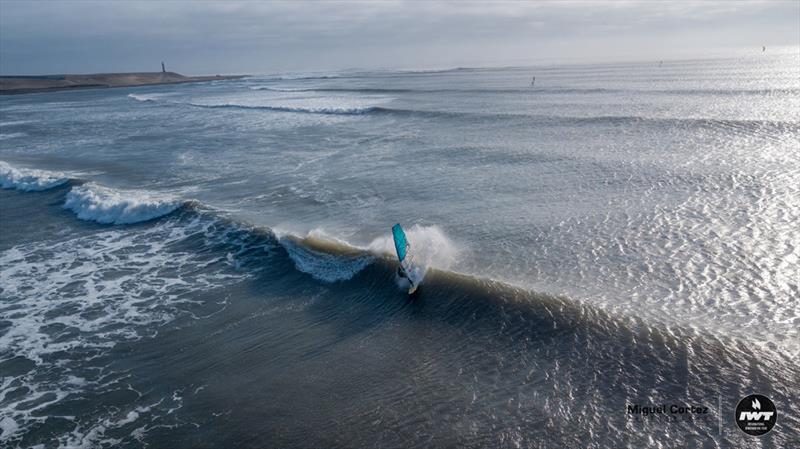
point(761, 126)
point(533, 91)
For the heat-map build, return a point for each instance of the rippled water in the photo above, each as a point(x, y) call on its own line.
point(210, 264)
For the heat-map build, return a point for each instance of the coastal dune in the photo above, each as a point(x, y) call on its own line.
point(27, 84)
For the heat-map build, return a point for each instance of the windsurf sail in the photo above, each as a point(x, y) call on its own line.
point(400, 242)
point(403, 249)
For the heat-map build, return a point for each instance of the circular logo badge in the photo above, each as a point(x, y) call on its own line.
point(756, 414)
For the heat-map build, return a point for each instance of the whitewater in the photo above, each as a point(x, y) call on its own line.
point(211, 264)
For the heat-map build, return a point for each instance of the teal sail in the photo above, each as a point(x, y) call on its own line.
point(400, 242)
point(403, 249)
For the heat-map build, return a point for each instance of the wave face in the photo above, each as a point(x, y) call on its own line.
point(29, 179)
point(617, 234)
point(107, 206)
point(326, 266)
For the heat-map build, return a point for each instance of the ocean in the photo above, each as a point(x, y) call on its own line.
point(211, 264)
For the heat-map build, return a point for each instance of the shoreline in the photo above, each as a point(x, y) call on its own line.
point(13, 85)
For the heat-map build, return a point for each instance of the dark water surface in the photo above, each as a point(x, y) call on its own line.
point(210, 265)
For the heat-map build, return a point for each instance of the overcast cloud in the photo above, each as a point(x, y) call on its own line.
point(199, 37)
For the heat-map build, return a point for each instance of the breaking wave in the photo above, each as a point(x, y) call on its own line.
point(329, 259)
point(145, 97)
point(432, 248)
point(326, 106)
point(298, 109)
point(28, 179)
point(108, 206)
point(318, 254)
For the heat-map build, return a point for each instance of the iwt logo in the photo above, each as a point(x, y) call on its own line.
point(756, 414)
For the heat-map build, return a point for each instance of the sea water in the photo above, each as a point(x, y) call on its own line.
point(210, 265)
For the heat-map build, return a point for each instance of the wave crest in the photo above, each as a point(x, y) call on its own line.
point(327, 110)
point(145, 97)
point(108, 206)
point(28, 179)
point(281, 89)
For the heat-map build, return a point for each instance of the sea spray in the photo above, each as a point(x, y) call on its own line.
point(429, 244)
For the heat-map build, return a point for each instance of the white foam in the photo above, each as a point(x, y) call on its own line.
point(16, 123)
point(96, 435)
point(108, 206)
point(6, 136)
point(29, 179)
point(102, 289)
point(8, 427)
point(129, 418)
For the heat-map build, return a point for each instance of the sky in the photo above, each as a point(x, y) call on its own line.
point(210, 37)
